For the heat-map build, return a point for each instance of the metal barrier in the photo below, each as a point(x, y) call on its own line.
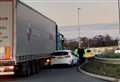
point(108, 60)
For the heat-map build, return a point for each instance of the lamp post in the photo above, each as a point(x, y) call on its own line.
point(79, 45)
point(88, 43)
point(119, 22)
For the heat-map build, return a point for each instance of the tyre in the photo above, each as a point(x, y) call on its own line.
point(26, 69)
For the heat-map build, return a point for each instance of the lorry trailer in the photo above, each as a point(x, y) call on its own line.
point(26, 38)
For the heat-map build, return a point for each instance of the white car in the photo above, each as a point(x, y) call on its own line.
point(117, 51)
point(63, 57)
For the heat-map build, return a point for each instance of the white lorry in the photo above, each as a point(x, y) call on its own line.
point(26, 38)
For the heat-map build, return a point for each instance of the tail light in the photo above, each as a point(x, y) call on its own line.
point(5, 52)
point(2, 51)
point(2, 69)
point(6, 68)
point(11, 67)
point(48, 60)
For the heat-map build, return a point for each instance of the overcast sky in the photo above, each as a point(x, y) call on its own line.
point(65, 13)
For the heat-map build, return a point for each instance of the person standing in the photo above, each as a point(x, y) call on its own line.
point(81, 53)
point(75, 52)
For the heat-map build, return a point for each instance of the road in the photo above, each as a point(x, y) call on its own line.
point(54, 75)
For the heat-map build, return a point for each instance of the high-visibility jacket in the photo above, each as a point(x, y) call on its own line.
point(76, 52)
point(88, 54)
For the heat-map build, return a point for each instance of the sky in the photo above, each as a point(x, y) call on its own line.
point(65, 13)
point(71, 32)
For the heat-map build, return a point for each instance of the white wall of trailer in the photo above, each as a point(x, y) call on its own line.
point(35, 33)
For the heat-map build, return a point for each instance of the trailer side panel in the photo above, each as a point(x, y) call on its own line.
point(35, 34)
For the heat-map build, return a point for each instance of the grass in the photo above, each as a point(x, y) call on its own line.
point(111, 70)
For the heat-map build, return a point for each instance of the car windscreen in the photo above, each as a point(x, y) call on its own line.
point(88, 50)
point(59, 53)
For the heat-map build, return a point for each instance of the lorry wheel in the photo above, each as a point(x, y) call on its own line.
point(26, 69)
point(37, 67)
point(33, 67)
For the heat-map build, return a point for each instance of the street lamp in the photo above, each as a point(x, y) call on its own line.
point(79, 45)
point(119, 22)
point(88, 43)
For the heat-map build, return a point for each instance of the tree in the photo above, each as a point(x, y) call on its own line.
point(70, 44)
point(96, 41)
point(85, 42)
point(99, 41)
point(108, 40)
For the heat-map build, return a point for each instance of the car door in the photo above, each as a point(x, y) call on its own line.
point(75, 58)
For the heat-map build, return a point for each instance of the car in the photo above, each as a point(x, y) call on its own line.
point(65, 57)
point(117, 51)
point(89, 54)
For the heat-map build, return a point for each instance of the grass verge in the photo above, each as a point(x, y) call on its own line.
point(111, 70)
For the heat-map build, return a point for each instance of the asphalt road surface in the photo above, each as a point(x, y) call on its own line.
point(64, 74)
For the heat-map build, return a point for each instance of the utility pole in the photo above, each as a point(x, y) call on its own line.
point(79, 43)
